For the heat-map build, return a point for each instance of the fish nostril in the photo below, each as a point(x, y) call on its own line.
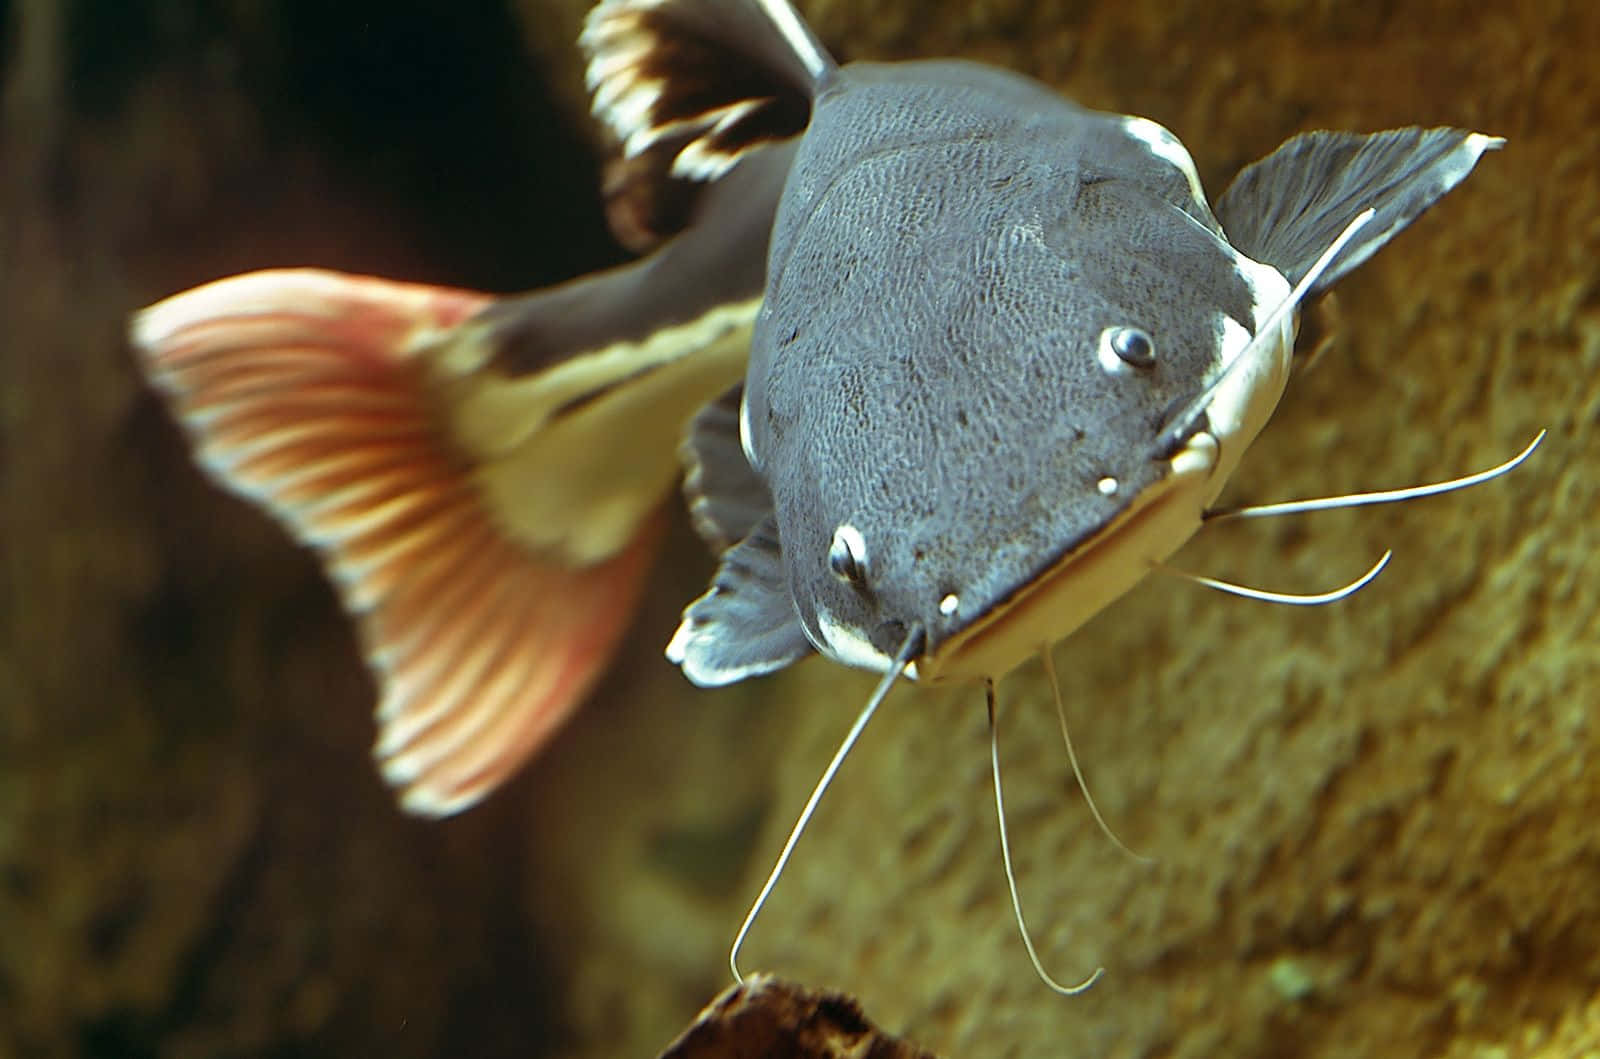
point(892, 632)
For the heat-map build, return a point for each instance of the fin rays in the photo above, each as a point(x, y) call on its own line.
point(308, 393)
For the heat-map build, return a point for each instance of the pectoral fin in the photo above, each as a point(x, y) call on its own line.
point(727, 498)
point(746, 624)
point(1286, 209)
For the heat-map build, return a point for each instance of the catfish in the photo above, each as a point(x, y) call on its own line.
point(953, 361)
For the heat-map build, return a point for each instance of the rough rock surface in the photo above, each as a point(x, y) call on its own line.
point(1375, 825)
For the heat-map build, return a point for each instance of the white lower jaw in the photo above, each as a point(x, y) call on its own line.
point(1246, 399)
point(1086, 580)
point(1054, 605)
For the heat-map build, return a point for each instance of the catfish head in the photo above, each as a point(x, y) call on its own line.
point(970, 355)
point(1008, 356)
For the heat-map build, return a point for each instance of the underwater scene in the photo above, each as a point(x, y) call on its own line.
point(424, 641)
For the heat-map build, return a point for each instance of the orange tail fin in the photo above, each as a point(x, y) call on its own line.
point(318, 396)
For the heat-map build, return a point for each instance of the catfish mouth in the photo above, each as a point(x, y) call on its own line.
point(1084, 579)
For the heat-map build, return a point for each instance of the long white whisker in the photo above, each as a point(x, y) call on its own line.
point(908, 650)
point(1179, 425)
point(1011, 878)
point(1314, 273)
point(1386, 496)
point(1061, 715)
point(1292, 599)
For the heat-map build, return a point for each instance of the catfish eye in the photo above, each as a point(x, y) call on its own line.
point(1132, 346)
point(847, 555)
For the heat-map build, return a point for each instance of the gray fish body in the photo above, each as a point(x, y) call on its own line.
point(951, 244)
point(1005, 358)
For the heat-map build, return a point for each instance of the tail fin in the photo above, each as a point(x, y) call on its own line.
point(1286, 208)
point(314, 394)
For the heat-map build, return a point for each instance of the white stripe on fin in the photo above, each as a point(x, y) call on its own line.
point(1284, 208)
point(679, 70)
point(688, 89)
point(799, 36)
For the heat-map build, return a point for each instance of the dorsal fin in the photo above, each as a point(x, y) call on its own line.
point(745, 625)
point(686, 88)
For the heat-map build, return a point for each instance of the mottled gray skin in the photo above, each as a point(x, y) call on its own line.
point(951, 244)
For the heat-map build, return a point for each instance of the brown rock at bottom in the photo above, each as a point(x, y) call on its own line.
point(774, 1019)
